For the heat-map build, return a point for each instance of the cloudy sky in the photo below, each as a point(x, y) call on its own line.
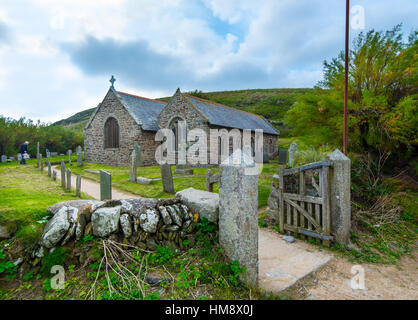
point(56, 56)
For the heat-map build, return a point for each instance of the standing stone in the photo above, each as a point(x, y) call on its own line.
point(78, 186)
point(138, 155)
point(79, 157)
point(37, 154)
point(167, 178)
point(49, 169)
point(54, 175)
point(293, 149)
point(238, 223)
point(3, 158)
point(41, 162)
point(132, 169)
point(48, 154)
point(69, 180)
point(282, 156)
point(19, 157)
point(69, 152)
point(340, 196)
point(63, 173)
point(105, 185)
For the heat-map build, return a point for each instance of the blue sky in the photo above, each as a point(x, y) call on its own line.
point(56, 57)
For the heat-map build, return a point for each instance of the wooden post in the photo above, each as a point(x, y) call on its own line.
point(281, 200)
point(326, 215)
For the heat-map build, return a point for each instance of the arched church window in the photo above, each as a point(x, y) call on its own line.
point(111, 131)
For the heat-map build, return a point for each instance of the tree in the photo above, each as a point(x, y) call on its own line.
point(382, 95)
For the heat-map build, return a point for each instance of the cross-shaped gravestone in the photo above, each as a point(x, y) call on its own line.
point(138, 155)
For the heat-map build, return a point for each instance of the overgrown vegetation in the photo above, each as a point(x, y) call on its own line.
point(55, 138)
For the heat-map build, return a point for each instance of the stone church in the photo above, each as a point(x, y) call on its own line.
point(121, 120)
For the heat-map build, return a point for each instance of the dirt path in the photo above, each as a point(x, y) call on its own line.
point(92, 188)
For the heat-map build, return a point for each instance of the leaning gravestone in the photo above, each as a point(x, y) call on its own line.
point(3, 159)
point(167, 178)
point(293, 149)
point(132, 169)
point(79, 157)
point(69, 180)
point(63, 173)
point(69, 152)
point(238, 223)
point(105, 185)
point(78, 186)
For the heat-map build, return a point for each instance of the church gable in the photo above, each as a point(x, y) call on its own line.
point(180, 107)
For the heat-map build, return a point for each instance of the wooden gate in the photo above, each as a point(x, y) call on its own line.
point(302, 214)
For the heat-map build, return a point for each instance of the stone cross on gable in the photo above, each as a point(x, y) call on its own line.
point(112, 81)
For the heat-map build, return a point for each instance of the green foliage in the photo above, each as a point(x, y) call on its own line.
point(57, 257)
point(7, 267)
point(382, 97)
point(55, 138)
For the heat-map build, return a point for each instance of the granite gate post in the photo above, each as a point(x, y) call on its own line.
point(238, 222)
point(340, 196)
point(105, 185)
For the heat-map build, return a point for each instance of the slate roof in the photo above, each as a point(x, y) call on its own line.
point(143, 110)
point(221, 115)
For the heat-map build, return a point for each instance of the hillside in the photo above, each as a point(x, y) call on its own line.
point(269, 103)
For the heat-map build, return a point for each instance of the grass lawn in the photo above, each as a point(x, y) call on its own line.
point(25, 194)
point(120, 176)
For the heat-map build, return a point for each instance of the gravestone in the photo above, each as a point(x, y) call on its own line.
point(105, 185)
point(19, 157)
point(49, 169)
point(63, 173)
point(238, 218)
point(69, 180)
point(69, 152)
point(138, 155)
point(293, 149)
point(3, 159)
point(79, 157)
point(41, 162)
point(37, 154)
point(78, 186)
point(132, 169)
point(48, 154)
point(167, 178)
point(54, 154)
point(54, 175)
point(184, 168)
point(12, 158)
point(282, 156)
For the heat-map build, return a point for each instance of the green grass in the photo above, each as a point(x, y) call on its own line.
point(25, 194)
